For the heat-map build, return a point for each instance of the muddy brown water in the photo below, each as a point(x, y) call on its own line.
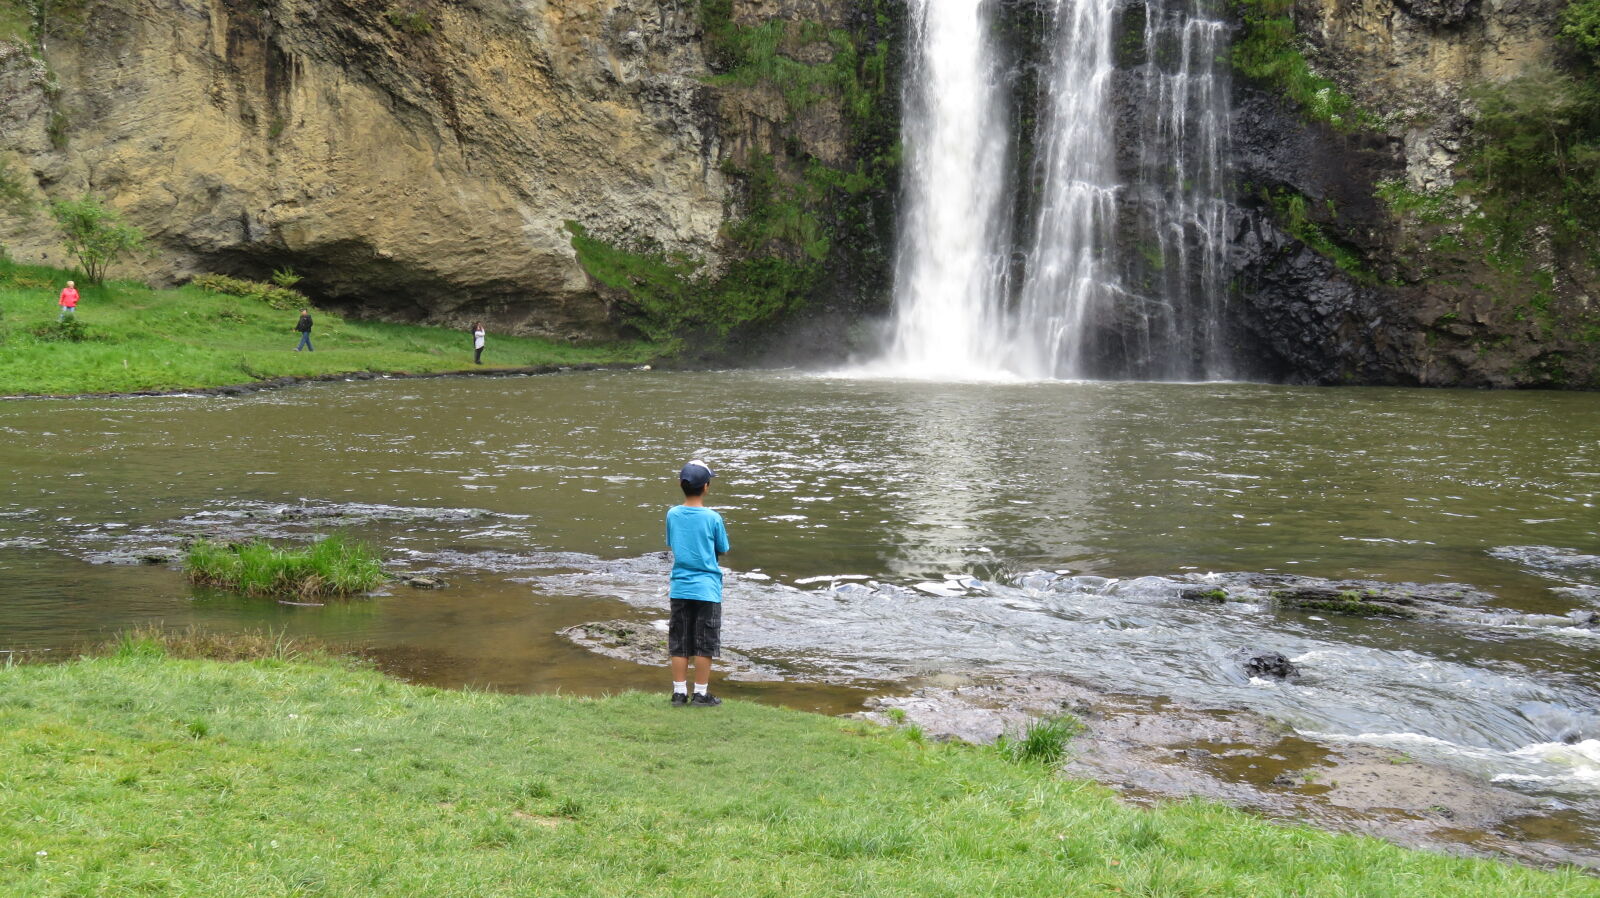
point(883, 532)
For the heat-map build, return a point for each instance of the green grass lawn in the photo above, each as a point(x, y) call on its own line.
point(140, 773)
point(142, 339)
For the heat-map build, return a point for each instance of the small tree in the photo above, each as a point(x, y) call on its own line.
point(95, 234)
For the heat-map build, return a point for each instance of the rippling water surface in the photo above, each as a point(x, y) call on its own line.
point(880, 529)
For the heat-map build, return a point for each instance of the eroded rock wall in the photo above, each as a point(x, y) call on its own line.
point(414, 168)
point(1392, 297)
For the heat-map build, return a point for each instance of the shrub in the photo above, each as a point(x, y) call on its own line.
point(409, 20)
point(69, 331)
point(286, 278)
point(1536, 153)
point(1580, 26)
point(278, 297)
point(96, 235)
point(330, 567)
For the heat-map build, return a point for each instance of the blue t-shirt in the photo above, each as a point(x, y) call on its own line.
point(697, 537)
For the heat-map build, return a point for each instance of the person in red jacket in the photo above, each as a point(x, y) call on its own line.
point(69, 301)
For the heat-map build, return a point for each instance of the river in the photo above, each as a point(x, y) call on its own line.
point(882, 530)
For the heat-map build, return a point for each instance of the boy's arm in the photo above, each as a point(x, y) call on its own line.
point(722, 539)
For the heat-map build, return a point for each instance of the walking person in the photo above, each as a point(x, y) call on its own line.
point(304, 327)
point(698, 539)
point(69, 302)
point(477, 342)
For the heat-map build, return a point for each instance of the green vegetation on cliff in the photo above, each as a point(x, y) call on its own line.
point(800, 217)
point(1268, 51)
point(144, 774)
point(127, 337)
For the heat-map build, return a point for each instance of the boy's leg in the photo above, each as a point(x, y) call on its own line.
point(702, 670)
point(680, 668)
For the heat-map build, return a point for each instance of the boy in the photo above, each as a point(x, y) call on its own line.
point(697, 538)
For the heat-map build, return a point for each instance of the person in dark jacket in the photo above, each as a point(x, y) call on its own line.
point(304, 327)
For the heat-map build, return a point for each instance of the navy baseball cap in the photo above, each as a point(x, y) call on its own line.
point(696, 473)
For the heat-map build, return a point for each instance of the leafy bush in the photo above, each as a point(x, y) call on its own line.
point(330, 567)
point(95, 234)
point(286, 278)
point(1580, 26)
point(1536, 153)
point(69, 331)
point(281, 298)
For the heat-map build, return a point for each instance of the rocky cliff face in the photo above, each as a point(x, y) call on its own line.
point(412, 160)
point(1383, 272)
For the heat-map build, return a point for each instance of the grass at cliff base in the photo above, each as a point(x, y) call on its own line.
point(134, 338)
point(141, 773)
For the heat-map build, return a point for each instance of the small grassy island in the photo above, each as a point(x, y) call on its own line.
point(128, 338)
point(332, 567)
point(145, 773)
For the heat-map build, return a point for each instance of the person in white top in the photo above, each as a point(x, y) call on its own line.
point(477, 342)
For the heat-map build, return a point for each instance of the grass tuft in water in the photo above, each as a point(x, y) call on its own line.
point(1042, 742)
point(331, 567)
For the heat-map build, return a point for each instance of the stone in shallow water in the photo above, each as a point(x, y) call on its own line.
point(423, 581)
point(1267, 665)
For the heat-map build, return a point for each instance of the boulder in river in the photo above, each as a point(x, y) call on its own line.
point(1266, 665)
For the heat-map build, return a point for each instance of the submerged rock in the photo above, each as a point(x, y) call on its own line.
point(645, 642)
point(143, 555)
point(1357, 598)
point(423, 581)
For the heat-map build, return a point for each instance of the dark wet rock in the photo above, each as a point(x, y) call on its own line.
point(1358, 602)
point(422, 581)
point(1443, 13)
point(645, 642)
point(1358, 598)
point(1267, 665)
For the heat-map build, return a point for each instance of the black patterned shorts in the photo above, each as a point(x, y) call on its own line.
point(695, 629)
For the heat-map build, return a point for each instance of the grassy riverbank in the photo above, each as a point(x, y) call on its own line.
point(142, 339)
point(143, 774)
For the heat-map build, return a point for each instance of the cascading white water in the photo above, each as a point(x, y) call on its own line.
point(950, 265)
point(1068, 278)
point(1123, 263)
point(1182, 186)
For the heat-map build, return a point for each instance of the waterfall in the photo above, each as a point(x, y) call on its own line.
point(1068, 280)
point(1103, 254)
point(1181, 192)
point(950, 262)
